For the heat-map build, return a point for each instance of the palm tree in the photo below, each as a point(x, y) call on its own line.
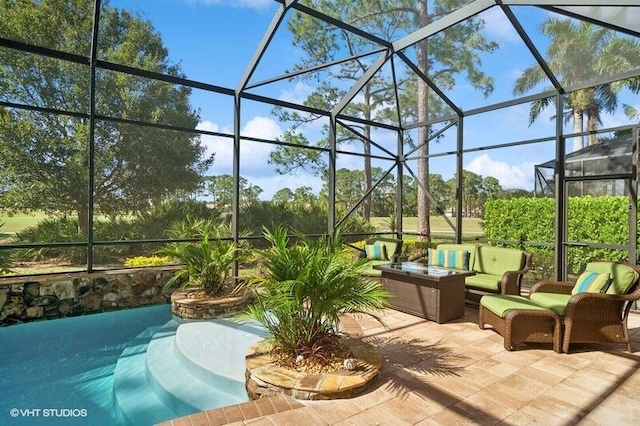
point(632, 112)
point(303, 290)
point(577, 53)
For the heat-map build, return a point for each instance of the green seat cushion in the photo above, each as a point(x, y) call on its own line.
point(622, 276)
point(484, 282)
point(554, 301)
point(498, 260)
point(370, 272)
point(502, 304)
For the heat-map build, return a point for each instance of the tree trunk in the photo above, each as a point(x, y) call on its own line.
point(83, 220)
point(578, 118)
point(424, 206)
point(592, 125)
point(366, 203)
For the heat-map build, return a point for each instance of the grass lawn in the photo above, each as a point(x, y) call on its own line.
point(16, 223)
point(471, 226)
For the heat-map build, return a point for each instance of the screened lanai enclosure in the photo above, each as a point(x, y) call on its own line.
point(124, 122)
point(606, 157)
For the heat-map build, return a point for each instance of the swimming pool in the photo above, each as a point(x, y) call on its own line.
point(63, 371)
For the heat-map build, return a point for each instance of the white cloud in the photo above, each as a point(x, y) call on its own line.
point(297, 95)
point(510, 176)
point(254, 156)
point(497, 25)
point(261, 127)
point(351, 162)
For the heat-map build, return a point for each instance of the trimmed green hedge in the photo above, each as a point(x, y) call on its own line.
point(601, 220)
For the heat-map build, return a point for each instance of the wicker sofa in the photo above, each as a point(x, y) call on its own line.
point(498, 270)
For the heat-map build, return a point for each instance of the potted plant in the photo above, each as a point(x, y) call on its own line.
point(301, 293)
point(205, 272)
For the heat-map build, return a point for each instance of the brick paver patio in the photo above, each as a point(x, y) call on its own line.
point(455, 373)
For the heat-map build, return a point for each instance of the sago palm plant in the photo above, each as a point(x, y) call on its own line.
point(206, 263)
point(303, 289)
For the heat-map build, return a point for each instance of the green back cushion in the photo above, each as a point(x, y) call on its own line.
point(498, 260)
point(391, 247)
point(456, 259)
point(471, 248)
point(622, 276)
point(592, 282)
point(376, 251)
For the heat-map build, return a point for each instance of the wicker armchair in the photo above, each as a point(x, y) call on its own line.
point(393, 246)
point(591, 317)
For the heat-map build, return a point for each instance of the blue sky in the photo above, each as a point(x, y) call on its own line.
point(214, 40)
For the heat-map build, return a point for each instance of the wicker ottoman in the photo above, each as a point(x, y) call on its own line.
point(519, 320)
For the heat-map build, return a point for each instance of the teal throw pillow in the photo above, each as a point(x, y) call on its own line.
point(455, 259)
point(592, 282)
point(376, 252)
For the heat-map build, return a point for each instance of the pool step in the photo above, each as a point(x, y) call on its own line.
point(198, 345)
point(135, 402)
point(181, 368)
point(180, 389)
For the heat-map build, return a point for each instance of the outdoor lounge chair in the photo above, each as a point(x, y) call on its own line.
point(388, 250)
point(593, 317)
point(519, 320)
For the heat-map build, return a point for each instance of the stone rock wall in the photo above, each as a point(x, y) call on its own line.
point(53, 296)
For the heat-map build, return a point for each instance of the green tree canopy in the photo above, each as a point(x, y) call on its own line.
point(476, 190)
point(45, 154)
point(441, 57)
point(577, 53)
point(221, 188)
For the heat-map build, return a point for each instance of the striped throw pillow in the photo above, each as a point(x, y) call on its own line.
point(455, 259)
point(376, 251)
point(592, 282)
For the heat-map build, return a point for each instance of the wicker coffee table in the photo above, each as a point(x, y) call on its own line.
point(436, 294)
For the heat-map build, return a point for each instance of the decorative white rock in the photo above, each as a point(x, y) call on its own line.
point(349, 364)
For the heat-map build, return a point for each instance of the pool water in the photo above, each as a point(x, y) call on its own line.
point(62, 371)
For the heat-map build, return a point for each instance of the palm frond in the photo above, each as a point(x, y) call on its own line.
point(306, 286)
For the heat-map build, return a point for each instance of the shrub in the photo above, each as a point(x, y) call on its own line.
point(307, 219)
point(600, 220)
point(157, 222)
point(142, 261)
point(415, 249)
point(54, 230)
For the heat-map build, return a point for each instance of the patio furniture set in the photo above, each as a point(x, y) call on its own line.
point(594, 309)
